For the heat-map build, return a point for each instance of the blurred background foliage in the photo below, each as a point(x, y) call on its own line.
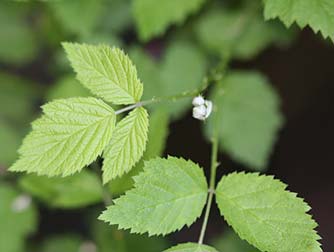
point(175, 45)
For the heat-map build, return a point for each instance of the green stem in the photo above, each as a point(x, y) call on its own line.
point(213, 171)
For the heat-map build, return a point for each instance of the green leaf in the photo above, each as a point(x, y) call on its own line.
point(78, 190)
point(264, 213)
point(191, 247)
point(9, 143)
point(153, 17)
point(67, 87)
point(106, 72)
point(127, 145)
point(231, 242)
point(157, 135)
point(168, 194)
point(319, 15)
point(18, 218)
point(63, 242)
point(77, 17)
point(248, 116)
point(149, 72)
point(239, 31)
point(109, 239)
point(23, 92)
point(18, 43)
point(71, 134)
point(182, 69)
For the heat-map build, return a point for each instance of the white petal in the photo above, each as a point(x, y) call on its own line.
point(198, 101)
point(208, 108)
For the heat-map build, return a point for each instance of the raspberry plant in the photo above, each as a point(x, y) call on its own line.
point(170, 192)
point(108, 139)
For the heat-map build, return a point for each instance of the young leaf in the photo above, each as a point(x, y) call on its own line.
point(106, 72)
point(263, 212)
point(168, 194)
point(248, 116)
point(72, 133)
point(78, 190)
point(153, 17)
point(191, 247)
point(127, 146)
point(319, 15)
point(18, 218)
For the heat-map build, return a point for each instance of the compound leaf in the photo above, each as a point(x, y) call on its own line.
point(106, 72)
point(264, 213)
point(191, 247)
point(71, 134)
point(168, 194)
point(153, 17)
point(127, 146)
point(249, 117)
point(319, 14)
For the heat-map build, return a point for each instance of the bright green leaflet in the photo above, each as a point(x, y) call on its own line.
point(17, 222)
point(153, 17)
point(106, 72)
point(168, 194)
point(263, 212)
point(318, 14)
point(157, 135)
point(78, 190)
point(191, 247)
point(127, 145)
point(71, 134)
point(248, 116)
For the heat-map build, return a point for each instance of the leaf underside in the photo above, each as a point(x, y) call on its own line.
point(264, 213)
point(168, 194)
point(71, 134)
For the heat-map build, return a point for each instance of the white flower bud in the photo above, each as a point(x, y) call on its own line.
point(198, 101)
point(202, 108)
